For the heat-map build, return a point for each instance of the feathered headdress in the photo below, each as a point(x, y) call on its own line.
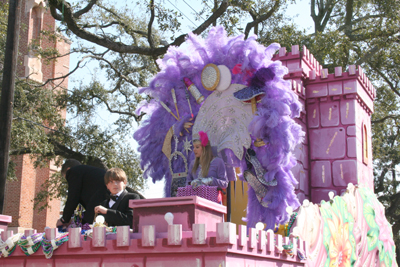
point(203, 138)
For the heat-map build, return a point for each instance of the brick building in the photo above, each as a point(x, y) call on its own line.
point(19, 194)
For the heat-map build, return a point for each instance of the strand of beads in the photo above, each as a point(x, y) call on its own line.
point(291, 222)
point(288, 249)
point(301, 254)
point(31, 244)
point(49, 246)
point(8, 247)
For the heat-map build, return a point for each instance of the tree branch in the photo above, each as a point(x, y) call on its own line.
point(341, 28)
point(121, 47)
point(84, 10)
point(379, 187)
point(66, 75)
point(324, 13)
point(348, 17)
point(65, 152)
point(19, 151)
point(367, 55)
point(150, 25)
point(88, 26)
point(385, 118)
point(391, 85)
point(327, 16)
point(126, 78)
point(76, 15)
point(261, 18)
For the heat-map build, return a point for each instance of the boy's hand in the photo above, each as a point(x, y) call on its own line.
point(62, 223)
point(100, 210)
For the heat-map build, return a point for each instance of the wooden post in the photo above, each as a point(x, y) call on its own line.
point(7, 91)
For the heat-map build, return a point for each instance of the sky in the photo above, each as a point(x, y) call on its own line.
point(298, 11)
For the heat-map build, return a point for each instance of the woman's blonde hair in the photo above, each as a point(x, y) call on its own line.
point(115, 174)
point(204, 160)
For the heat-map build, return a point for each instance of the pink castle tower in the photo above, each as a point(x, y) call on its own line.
point(336, 117)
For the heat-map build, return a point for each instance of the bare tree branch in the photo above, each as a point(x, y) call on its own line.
point(327, 16)
point(121, 47)
point(324, 13)
point(150, 26)
point(88, 26)
point(259, 19)
point(66, 75)
point(76, 15)
point(126, 27)
point(84, 10)
point(126, 78)
point(348, 17)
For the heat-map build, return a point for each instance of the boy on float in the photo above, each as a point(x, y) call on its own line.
point(116, 209)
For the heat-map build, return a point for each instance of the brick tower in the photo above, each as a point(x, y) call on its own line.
point(336, 117)
point(20, 193)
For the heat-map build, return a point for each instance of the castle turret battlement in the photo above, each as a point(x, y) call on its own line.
point(299, 63)
point(353, 83)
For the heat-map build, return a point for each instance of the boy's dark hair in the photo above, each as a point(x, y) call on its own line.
point(69, 163)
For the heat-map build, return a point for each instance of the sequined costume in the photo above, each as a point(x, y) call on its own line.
point(216, 171)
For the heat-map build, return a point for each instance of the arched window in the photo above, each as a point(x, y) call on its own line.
point(365, 144)
point(36, 24)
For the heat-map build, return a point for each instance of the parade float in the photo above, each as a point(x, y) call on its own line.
point(296, 142)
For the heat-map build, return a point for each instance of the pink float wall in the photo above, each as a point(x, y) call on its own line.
point(198, 246)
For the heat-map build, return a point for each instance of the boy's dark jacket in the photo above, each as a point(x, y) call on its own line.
point(120, 213)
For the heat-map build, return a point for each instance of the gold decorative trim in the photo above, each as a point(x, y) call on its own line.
point(208, 80)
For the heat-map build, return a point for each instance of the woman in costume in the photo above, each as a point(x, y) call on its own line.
point(206, 169)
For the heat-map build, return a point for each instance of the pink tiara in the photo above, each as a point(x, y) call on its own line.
point(203, 138)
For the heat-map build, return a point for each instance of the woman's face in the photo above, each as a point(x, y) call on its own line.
point(197, 149)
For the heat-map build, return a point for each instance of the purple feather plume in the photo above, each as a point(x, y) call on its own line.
point(273, 122)
point(262, 76)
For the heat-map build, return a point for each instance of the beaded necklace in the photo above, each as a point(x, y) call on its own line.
point(49, 246)
point(8, 247)
point(290, 224)
point(31, 244)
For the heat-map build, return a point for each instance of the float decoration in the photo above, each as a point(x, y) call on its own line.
point(49, 246)
point(175, 102)
point(348, 230)
point(31, 244)
point(210, 77)
point(7, 247)
point(230, 123)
